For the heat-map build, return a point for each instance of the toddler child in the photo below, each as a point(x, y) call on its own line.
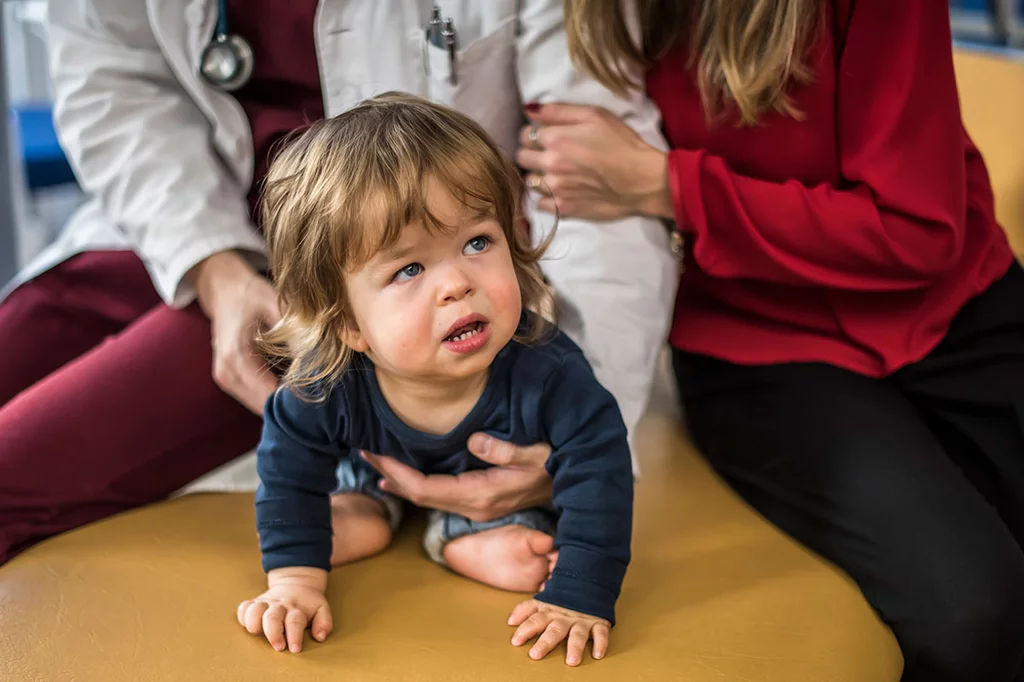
point(409, 299)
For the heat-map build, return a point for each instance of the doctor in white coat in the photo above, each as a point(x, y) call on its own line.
point(127, 367)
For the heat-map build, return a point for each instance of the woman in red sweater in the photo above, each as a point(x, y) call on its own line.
point(849, 331)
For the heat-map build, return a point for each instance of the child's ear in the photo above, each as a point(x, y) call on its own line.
point(353, 338)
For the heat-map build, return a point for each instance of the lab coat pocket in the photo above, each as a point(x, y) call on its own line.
point(481, 82)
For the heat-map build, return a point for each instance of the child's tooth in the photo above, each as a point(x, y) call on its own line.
point(468, 333)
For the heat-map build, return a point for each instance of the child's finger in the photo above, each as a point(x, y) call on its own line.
point(555, 633)
point(273, 626)
point(600, 634)
point(522, 611)
point(577, 643)
point(240, 612)
point(323, 623)
point(530, 628)
point(254, 617)
point(295, 627)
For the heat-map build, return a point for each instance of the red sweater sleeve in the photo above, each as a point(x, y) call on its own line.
point(898, 219)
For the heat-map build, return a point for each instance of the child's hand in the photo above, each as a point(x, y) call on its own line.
point(294, 600)
point(535, 617)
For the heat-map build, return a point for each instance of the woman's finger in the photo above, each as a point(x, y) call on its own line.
point(600, 635)
point(261, 300)
point(562, 114)
point(555, 633)
point(251, 383)
point(530, 137)
point(454, 494)
point(295, 627)
point(540, 184)
point(577, 643)
point(549, 205)
point(243, 375)
point(402, 479)
point(519, 480)
point(530, 628)
point(273, 626)
point(504, 454)
point(225, 366)
point(530, 159)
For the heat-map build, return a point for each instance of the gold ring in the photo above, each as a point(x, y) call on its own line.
point(533, 182)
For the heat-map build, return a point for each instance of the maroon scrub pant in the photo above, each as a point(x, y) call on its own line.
point(106, 399)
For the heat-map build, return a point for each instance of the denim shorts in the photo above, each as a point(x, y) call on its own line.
point(354, 476)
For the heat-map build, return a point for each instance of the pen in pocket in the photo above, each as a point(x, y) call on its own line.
point(434, 27)
point(442, 35)
point(452, 45)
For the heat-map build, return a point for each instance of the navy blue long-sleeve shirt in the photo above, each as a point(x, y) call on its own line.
point(539, 393)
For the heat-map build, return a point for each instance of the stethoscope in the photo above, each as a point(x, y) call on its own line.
point(227, 62)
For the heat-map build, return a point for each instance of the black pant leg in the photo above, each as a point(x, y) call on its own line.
point(971, 391)
point(846, 465)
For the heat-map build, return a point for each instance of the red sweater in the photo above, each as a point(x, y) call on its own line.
point(853, 237)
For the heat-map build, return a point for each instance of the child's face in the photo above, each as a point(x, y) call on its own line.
point(435, 305)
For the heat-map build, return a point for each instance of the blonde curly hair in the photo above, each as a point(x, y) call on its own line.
point(345, 188)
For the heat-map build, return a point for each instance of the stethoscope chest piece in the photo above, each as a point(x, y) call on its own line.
point(227, 62)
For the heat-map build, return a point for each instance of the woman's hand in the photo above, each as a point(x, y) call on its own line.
point(293, 601)
point(517, 481)
point(553, 624)
point(238, 302)
point(589, 164)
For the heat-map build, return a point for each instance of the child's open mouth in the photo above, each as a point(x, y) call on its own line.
point(468, 334)
point(466, 331)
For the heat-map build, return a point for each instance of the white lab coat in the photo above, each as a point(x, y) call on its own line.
point(168, 160)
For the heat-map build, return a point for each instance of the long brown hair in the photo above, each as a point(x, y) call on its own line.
point(347, 187)
point(746, 52)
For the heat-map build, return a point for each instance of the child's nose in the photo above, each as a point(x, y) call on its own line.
point(455, 286)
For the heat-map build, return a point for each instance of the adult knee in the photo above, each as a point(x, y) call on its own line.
point(969, 632)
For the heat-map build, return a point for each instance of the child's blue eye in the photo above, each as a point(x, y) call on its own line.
point(407, 273)
point(476, 245)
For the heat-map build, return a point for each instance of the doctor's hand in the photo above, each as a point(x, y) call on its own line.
point(239, 302)
point(589, 164)
point(517, 481)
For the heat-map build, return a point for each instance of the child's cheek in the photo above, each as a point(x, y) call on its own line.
point(511, 295)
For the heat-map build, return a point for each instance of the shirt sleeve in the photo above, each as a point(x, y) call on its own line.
point(898, 219)
point(616, 281)
point(297, 459)
point(139, 143)
point(593, 491)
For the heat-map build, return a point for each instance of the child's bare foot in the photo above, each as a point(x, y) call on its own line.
point(360, 527)
point(514, 558)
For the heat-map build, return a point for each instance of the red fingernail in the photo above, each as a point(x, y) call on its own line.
point(532, 107)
